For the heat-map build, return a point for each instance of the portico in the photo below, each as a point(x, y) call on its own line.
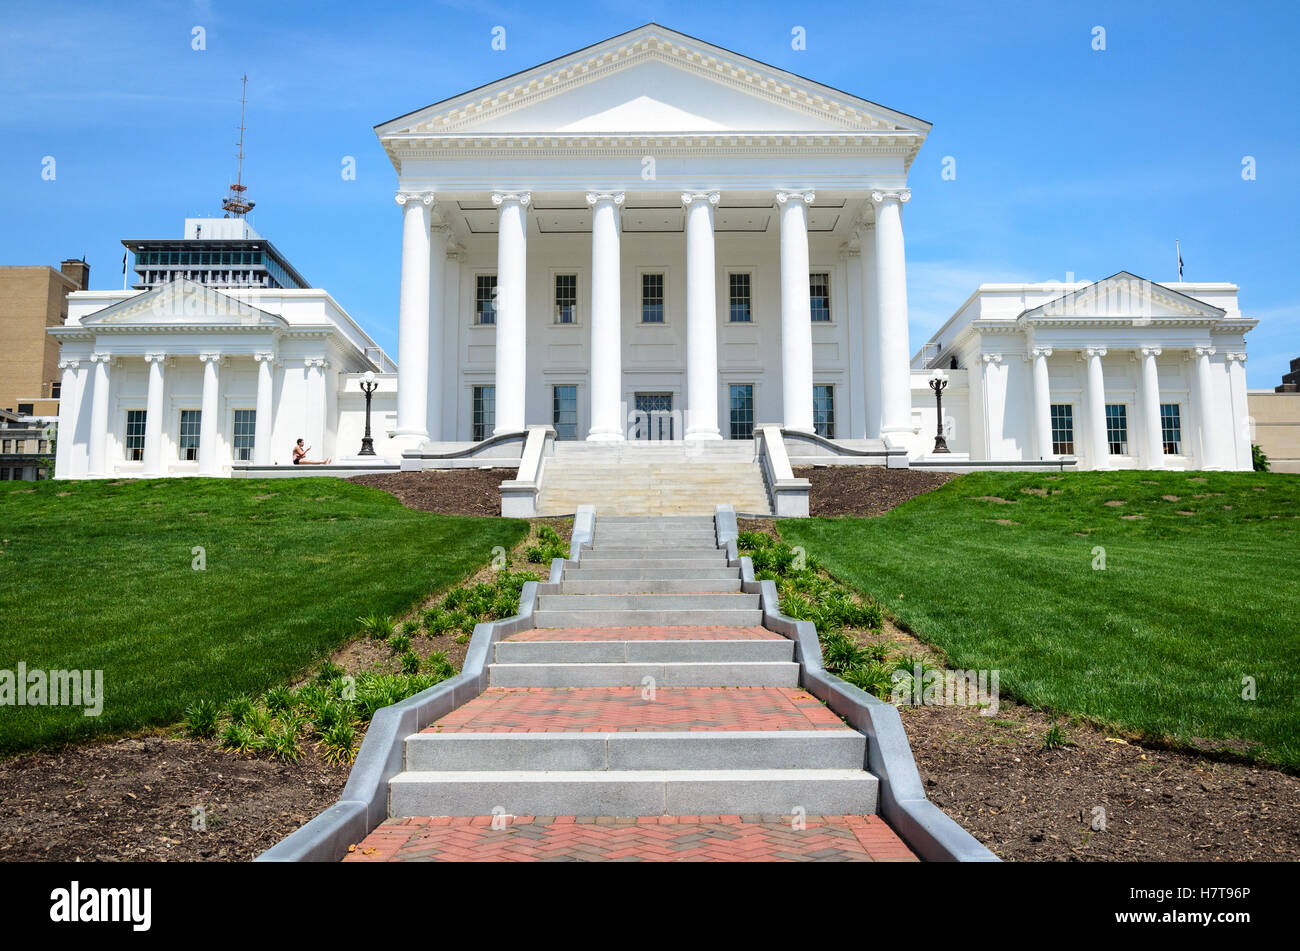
point(652, 224)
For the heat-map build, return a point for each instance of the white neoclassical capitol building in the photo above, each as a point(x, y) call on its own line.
point(651, 238)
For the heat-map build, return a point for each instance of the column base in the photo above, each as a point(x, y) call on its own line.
point(702, 435)
point(605, 437)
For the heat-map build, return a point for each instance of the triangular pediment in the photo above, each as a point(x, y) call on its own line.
point(1123, 296)
point(652, 80)
point(179, 303)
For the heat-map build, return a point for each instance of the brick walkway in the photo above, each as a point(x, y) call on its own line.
point(647, 634)
point(622, 709)
point(653, 839)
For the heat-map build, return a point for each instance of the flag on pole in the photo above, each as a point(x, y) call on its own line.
point(1178, 249)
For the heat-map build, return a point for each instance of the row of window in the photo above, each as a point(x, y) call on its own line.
point(24, 445)
point(739, 298)
point(197, 258)
point(1171, 429)
point(655, 418)
point(22, 473)
point(187, 434)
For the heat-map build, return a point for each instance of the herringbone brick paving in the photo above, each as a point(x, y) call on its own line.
point(627, 709)
point(764, 838)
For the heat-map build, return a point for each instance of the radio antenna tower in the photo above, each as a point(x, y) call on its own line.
point(236, 203)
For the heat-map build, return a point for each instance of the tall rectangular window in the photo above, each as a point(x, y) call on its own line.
point(824, 410)
point(741, 311)
point(485, 299)
point(564, 411)
point(1171, 429)
point(819, 293)
point(566, 298)
point(135, 434)
point(652, 298)
point(484, 419)
point(245, 427)
point(742, 410)
point(1062, 429)
point(1117, 429)
point(188, 438)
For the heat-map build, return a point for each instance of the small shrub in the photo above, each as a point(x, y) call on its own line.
point(753, 541)
point(548, 534)
point(259, 721)
point(201, 719)
point(1259, 458)
point(875, 678)
point(439, 666)
point(411, 628)
point(238, 708)
point(283, 744)
point(797, 607)
point(841, 653)
point(328, 715)
point(411, 662)
point(376, 626)
point(278, 700)
point(339, 742)
point(1055, 738)
point(328, 671)
point(238, 738)
point(399, 643)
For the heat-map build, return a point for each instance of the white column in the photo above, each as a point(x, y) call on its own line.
point(891, 316)
point(263, 423)
point(1210, 441)
point(316, 406)
point(870, 332)
point(994, 392)
point(853, 297)
point(606, 318)
point(1242, 422)
point(1154, 444)
point(413, 320)
point(69, 410)
point(796, 312)
point(1042, 403)
point(153, 415)
point(701, 318)
point(433, 377)
point(511, 314)
point(99, 415)
point(211, 409)
point(1097, 444)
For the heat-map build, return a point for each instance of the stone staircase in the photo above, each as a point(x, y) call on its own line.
point(648, 688)
point(653, 478)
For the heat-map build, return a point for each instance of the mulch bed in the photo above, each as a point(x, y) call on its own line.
point(444, 491)
point(134, 800)
point(1027, 803)
point(865, 490)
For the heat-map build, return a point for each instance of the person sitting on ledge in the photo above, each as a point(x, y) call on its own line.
point(300, 456)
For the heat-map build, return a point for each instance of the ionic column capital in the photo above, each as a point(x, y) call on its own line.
point(807, 197)
point(155, 358)
point(1040, 352)
point(316, 363)
point(100, 356)
point(425, 198)
point(1236, 356)
point(1150, 351)
point(1090, 352)
point(595, 198)
point(211, 357)
point(902, 195)
point(265, 356)
point(69, 364)
point(988, 358)
point(712, 197)
point(522, 198)
point(1204, 351)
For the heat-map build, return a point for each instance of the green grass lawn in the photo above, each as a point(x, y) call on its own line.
point(1157, 643)
point(96, 575)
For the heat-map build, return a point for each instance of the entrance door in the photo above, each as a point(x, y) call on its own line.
point(654, 416)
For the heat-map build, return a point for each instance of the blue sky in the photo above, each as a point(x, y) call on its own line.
point(1068, 159)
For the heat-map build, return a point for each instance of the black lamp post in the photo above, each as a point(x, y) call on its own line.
point(368, 386)
point(937, 383)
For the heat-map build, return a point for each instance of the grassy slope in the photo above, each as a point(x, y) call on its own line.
point(1158, 642)
point(98, 575)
